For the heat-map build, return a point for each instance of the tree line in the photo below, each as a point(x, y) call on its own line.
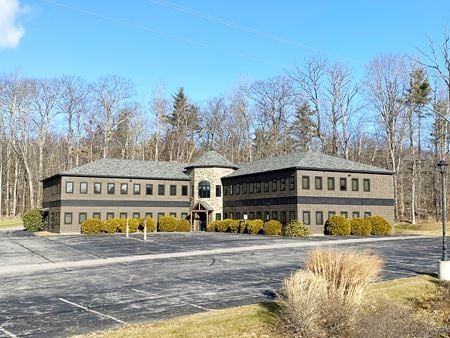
point(396, 116)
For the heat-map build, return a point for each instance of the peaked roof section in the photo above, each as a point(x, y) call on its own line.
point(212, 159)
point(306, 160)
point(130, 168)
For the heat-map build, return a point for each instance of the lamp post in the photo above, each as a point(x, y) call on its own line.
point(442, 165)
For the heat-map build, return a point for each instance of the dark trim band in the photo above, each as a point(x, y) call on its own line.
point(117, 203)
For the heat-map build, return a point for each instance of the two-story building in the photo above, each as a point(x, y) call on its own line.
point(307, 186)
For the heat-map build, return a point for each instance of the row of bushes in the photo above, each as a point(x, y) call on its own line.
point(342, 226)
point(113, 225)
point(257, 226)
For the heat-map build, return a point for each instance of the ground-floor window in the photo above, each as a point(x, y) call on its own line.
point(173, 214)
point(344, 213)
point(218, 216)
point(319, 217)
point(136, 215)
point(96, 215)
point(275, 215)
point(160, 214)
point(149, 214)
point(291, 215)
point(109, 215)
point(356, 214)
point(306, 217)
point(82, 217)
point(331, 213)
point(367, 214)
point(251, 215)
point(258, 215)
point(283, 217)
point(123, 215)
point(225, 215)
point(238, 215)
point(184, 215)
point(68, 218)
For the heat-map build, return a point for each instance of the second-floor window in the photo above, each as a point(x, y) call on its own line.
point(305, 182)
point(149, 189)
point(366, 185)
point(111, 188)
point(318, 183)
point(173, 190)
point(343, 184)
point(97, 188)
point(355, 184)
point(161, 189)
point(69, 187)
point(330, 181)
point(204, 189)
point(83, 187)
point(184, 190)
point(124, 188)
point(219, 190)
point(136, 189)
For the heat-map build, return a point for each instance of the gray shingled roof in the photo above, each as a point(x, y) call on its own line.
point(305, 160)
point(130, 168)
point(212, 159)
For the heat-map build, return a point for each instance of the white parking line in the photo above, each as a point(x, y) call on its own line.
point(181, 301)
point(5, 331)
point(93, 311)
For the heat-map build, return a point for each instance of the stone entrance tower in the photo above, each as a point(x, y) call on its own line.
point(206, 188)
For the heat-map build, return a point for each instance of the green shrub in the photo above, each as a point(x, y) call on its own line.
point(212, 227)
point(151, 224)
point(33, 221)
point(183, 225)
point(296, 229)
point(111, 225)
point(167, 224)
point(223, 226)
point(133, 225)
point(380, 226)
point(272, 227)
point(360, 227)
point(337, 226)
point(255, 226)
point(242, 227)
point(92, 226)
point(233, 226)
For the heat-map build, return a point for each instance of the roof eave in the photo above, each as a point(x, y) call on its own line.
point(120, 177)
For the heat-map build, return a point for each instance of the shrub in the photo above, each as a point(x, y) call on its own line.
point(183, 225)
point(111, 225)
point(272, 227)
point(255, 226)
point(151, 224)
point(222, 226)
point(167, 224)
point(380, 226)
point(234, 225)
point(296, 229)
point(242, 227)
point(337, 226)
point(211, 227)
point(325, 298)
point(33, 221)
point(92, 226)
point(360, 227)
point(133, 225)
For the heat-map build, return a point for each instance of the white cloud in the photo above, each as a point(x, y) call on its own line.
point(11, 31)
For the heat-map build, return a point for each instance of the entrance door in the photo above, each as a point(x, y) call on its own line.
point(203, 221)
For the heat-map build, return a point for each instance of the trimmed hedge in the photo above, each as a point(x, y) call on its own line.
point(211, 227)
point(380, 226)
point(255, 226)
point(151, 224)
point(337, 226)
point(272, 227)
point(111, 225)
point(92, 226)
point(33, 221)
point(296, 229)
point(183, 225)
point(167, 224)
point(360, 227)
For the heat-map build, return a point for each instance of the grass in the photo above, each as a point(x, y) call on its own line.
point(256, 320)
point(427, 229)
point(10, 222)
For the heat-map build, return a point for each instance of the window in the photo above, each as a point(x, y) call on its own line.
point(96, 215)
point(111, 188)
point(225, 215)
point(274, 185)
point(258, 187)
point(123, 215)
point(184, 215)
point(244, 188)
point(331, 213)
point(305, 182)
point(319, 218)
point(367, 214)
point(97, 188)
point(225, 190)
point(258, 215)
point(238, 215)
point(266, 186)
point(318, 183)
point(218, 216)
point(366, 184)
point(252, 187)
point(160, 214)
point(184, 190)
point(173, 214)
point(149, 214)
point(218, 191)
point(109, 215)
point(124, 188)
point(83, 187)
point(68, 218)
point(149, 189)
point(136, 189)
point(69, 187)
point(344, 213)
point(343, 184)
point(231, 189)
point(136, 215)
point(306, 217)
point(355, 184)
point(161, 189)
point(231, 215)
point(237, 189)
point(274, 215)
point(173, 190)
point(291, 215)
point(291, 183)
point(204, 189)
point(283, 217)
point(330, 181)
point(355, 214)
point(82, 217)
point(251, 215)
point(282, 184)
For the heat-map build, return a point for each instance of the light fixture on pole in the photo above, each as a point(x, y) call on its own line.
point(444, 264)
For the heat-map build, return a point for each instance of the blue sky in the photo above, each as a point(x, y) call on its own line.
point(98, 37)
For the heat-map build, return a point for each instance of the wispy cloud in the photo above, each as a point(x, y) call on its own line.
point(11, 31)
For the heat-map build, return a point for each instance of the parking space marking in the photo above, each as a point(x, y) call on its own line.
point(181, 301)
point(5, 331)
point(93, 311)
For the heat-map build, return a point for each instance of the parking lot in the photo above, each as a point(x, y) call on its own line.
point(64, 285)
